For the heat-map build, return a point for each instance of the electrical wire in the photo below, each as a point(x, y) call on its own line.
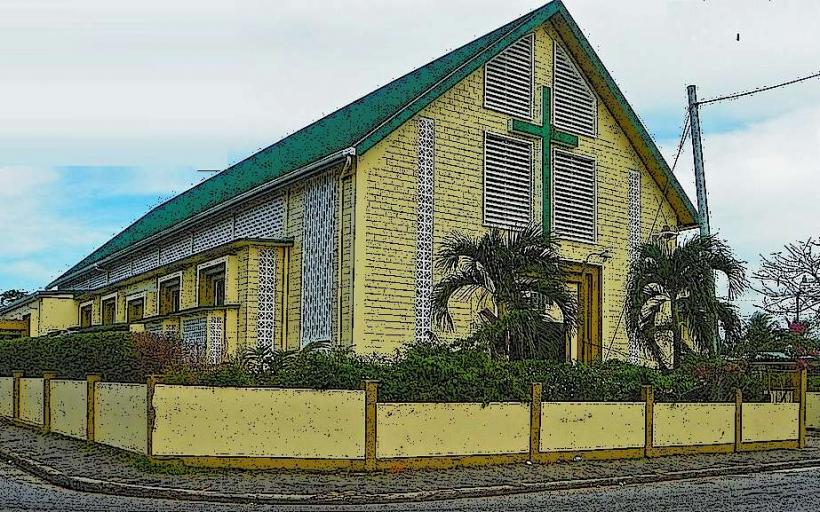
point(758, 90)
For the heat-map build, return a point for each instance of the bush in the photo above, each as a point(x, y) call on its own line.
point(438, 373)
point(118, 356)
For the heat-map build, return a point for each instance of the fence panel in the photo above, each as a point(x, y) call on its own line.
point(258, 422)
point(120, 416)
point(7, 397)
point(576, 426)
point(693, 424)
point(423, 430)
point(770, 422)
point(69, 407)
point(31, 401)
point(813, 410)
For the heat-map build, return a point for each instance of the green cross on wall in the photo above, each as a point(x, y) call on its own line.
point(548, 134)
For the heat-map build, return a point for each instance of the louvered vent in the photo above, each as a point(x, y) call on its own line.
point(575, 108)
point(508, 80)
point(574, 192)
point(507, 181)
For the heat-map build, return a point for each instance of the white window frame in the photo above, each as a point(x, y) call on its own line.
point(115, 296)
point(80, 311)
point(532, 82)
point(484, 222)
point(594, 195)
point(589, 86)
point(133, 297)
point(203, 266)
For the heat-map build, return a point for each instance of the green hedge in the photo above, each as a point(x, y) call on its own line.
point(434, 373)
point(73, 356)
point(421, 373)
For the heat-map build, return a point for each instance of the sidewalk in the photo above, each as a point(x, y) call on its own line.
point(95, 468)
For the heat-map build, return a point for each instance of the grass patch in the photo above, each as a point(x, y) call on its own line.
point(155, 467)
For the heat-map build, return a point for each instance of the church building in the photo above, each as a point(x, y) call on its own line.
point(331, 233)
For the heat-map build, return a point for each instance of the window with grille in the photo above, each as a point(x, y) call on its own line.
point(266, 319)
point(574, 194)
point(318, 254)
point(635, 213)
point(508, 80)
point(424, 223)
point(574, 104)
point(507, 181)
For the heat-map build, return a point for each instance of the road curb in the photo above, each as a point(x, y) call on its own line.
point(96, 486)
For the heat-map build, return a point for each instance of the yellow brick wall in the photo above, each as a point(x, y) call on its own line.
point(346, 227)
point(386, 184)
point(295, 198)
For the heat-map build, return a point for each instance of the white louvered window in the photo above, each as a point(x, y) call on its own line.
point(574, 193)
point(214, 234)
point(508, 80)
point(318, 252)
point(175, 249)
point(261, 219)
point(195, 336)
point(424, 223)
point(507, 181)
point(574, 104)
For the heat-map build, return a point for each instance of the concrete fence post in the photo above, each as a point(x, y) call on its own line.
point(151, 413)
point(738, 420)
point(648, 397)
point(536, 393)
point(371, 398)
point(47, 378)
point(91, 381)
point(800, 384)
point(15, 395)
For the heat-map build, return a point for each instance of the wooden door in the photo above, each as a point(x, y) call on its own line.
point(584, 345)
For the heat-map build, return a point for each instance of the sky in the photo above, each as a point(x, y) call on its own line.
point(109, 108)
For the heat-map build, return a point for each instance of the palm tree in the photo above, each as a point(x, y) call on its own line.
point(672, 288)
point(520, 273)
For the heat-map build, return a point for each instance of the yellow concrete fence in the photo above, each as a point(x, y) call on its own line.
point(812, 410)
point(323, 430)
point(425, 430)
point(694, 424)
point(31, 401)
point(770, 422)
point(581, 426)
point(7, 397)
point(69, 408)
point(258, 422)
point(121, 416)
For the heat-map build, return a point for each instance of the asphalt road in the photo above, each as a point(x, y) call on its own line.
point(781, 491)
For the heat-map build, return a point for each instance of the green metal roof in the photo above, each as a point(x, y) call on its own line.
point(361, 124)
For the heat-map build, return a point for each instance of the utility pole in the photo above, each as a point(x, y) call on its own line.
point(700, 184)
point(697, 151)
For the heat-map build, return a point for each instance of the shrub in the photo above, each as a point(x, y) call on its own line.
point(118, 356)
point(438, 373)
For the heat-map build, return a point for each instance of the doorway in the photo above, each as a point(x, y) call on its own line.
point(584, 345)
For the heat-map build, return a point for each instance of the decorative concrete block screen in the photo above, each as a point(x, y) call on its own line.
point(31, 401)
point(574, 426)
point(258, 422)
point(69, 406)
point(693, 424)
point(121, 416)
point(770, 422)
point(812, 410)
point(7, 397)
point(423, 430)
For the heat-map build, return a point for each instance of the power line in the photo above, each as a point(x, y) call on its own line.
point(758, 90)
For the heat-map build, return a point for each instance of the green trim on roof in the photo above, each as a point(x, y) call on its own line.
point(361, 124)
